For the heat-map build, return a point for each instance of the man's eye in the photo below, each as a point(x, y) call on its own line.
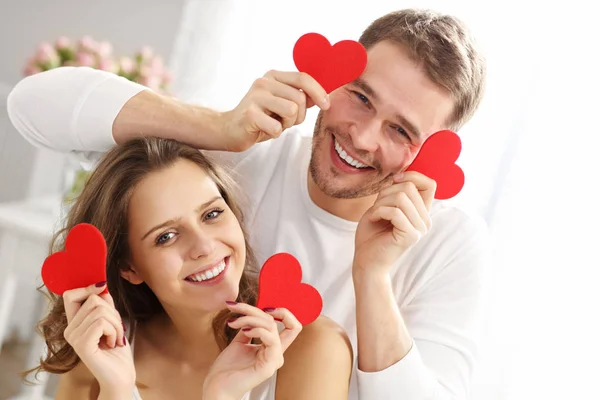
point(165, 237)
point(402, 131)
point(362, 97)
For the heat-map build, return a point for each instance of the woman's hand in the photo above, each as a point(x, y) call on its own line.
point(96, 333)
point(242, 366)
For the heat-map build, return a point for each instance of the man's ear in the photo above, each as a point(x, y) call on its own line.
point(131, 275)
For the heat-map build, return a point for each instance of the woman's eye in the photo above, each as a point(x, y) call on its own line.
point(165, 237)
point(213, 214)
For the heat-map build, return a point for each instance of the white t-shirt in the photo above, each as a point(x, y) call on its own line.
point(438, 283)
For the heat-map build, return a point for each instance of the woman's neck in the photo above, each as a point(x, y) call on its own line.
point(185, 337)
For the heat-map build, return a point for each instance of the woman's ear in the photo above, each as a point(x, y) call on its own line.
point(131, 275)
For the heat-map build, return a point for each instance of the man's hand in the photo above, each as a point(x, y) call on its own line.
point(397, 220)
point(275, 102)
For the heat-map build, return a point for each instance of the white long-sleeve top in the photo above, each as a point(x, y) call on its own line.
point(437, 284)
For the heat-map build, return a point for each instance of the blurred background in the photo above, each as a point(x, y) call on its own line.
point(530, 156)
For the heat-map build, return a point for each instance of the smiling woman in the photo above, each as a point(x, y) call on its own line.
point(182, 277)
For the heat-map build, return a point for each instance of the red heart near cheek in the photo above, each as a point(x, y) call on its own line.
point(331, 66)
point(437, 160)
point(279, 286)
point(83, 263)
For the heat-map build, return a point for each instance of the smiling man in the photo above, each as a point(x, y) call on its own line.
point(401, 272)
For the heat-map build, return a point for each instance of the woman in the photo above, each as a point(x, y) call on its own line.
point(182, 277)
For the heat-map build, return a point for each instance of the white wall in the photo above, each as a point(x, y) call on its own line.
point(127, 24)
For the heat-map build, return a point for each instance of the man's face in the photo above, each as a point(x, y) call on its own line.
point(376, 125)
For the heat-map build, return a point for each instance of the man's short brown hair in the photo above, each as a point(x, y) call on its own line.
point(444, 47)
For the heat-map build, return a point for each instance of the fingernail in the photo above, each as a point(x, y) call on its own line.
point(278, 320)
point(231, 303)
point(269, 309)
point(100, 284)
point(246, 329)
point(231, 320)
point(326, 101)
point(399, 176)
point(124, 340)
point(124, 327)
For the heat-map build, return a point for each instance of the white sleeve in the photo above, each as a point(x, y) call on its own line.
point(445, 321)
point(70, 109)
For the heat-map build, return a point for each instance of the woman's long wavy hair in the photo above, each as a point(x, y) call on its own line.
point(103, 203)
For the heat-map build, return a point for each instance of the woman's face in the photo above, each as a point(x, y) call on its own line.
point(185, 242)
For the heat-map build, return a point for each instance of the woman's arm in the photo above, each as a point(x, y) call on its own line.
point(77, 384)
point(317, 365)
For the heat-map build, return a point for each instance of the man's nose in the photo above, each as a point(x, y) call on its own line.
point(365, 136)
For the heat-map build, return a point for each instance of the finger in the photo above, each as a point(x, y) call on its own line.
point(101, 312)
point(298, 97)
point(404, 203)
point(287, 110)
point(253, 321)
point(247, 309)
point(413, 194)
point(74, 298)
point(425, 185)
point(261, 122)
point(267, 337)
point(396, 217)
point(292, 326)
point(98, 329)
point(306, 83)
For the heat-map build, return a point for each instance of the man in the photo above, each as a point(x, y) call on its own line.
point(401, 272)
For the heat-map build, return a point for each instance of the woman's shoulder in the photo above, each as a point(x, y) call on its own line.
point(321, 355)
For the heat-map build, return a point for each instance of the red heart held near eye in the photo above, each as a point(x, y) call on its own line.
point(331, 66)
point(437, 160)
point(279, 286)
point(83, 263)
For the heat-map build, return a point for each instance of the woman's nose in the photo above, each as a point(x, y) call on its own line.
point(202, 244)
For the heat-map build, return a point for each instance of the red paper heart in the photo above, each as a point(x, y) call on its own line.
point(331, 66)
point(279, 286)
point(436, 160)
point(83, 263)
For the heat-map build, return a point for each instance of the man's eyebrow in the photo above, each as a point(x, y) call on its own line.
point(365, 87)
point(172, 221)
point(409, 125)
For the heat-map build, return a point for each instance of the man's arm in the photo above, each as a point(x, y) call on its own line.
point(80, 109)
point(426, 349)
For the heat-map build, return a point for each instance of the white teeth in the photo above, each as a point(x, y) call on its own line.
point(344, 156)
point(211, 273)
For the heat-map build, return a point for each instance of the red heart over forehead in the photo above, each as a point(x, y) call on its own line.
point(331, 66)
point(83, 263)
point(436, 160)
point(279, 286)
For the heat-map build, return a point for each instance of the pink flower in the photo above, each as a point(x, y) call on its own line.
point(167, 77)
point(85, 59)
point(157, 65)
point(31, 69)
point(87, 43)
point(109, 65)
point(153, 82)
point(127, 65)
point(47, 54)
point(146, 53)
point(63, 42)
point(104, 49)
